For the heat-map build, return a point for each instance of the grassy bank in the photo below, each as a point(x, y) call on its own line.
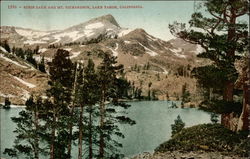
point(210, 138)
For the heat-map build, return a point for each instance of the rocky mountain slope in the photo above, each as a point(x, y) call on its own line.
point(166, 64)
point(19, 79)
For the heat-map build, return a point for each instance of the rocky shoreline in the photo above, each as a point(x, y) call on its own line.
point(186, 155)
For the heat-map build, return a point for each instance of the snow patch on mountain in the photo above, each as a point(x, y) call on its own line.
point(165, 71)
point(30, 85)
point(151, 38)
point(127, 42)
point(88, 33)
point(31, 42)
point(199, 49)
point(153, 47)
point(116, 46)
point(75, 54)
point(45, 38)
point(42, 50)
point(176, 50)
point(11, 61)
point(3, 49)
point(67, 49)
point(74, 35)
point(115, 53)
point(94, 25)
point(25, 94)
point(124, 32)
point(31, 33)
point(7, 95)
point(148, 51)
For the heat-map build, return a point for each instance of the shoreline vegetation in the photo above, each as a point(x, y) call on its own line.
point(120, 100)
point(202, 141)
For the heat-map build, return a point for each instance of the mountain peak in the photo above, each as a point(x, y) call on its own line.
point(107, 17)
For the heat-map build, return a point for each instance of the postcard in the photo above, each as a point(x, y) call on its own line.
point(124, 79)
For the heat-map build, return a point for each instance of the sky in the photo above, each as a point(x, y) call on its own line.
point(154, 17)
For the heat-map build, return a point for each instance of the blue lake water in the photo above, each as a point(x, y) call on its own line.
point(153, 125)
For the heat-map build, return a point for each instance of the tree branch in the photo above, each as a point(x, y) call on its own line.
point(218, 17)
point(215, 26)
point(243, 12)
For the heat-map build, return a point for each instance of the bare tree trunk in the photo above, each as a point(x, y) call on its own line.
point(102, 116)
point(71, 114)
point(53, 133)
point(80, 134)
point(228, 92)
point(227, 96)
point(210, 94)
point(243, 123)
point(36, 144)
point(90, 134)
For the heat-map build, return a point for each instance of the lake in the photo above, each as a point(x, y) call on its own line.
point(153, 125)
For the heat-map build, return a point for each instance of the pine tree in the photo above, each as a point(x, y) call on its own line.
point(214, 118)
point(185, 97)
point(29, 57)
point(223, 36)
point(36, 50)
point(123, 87)
point(78, 98)
point(7, 103)
point(177, 126)
point(6, 46)
point(149, 91)
point(107, 75)
point(77, 73)
point(28, 131)
point(13, 50)
point(41, 65)
point(91, 95)
point(19, 52)
point(61, 81)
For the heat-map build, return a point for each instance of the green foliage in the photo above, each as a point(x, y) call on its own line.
point(185, 97)
point(51, 121)
point(29, 57)
point(217, 28)
point(210, 76)
point(177, 126)
point(214, 118)
point(154, 97)
point(28, 131)
point(41, 65)
point(60, 97)
point(123, 87)
point(6, 46)
point(243, 148)
point(19, 52)
point(206, 137)
point(11, 152)
point(110, 86)
point(7, 102)
point(61, 77)
point(221, 106)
